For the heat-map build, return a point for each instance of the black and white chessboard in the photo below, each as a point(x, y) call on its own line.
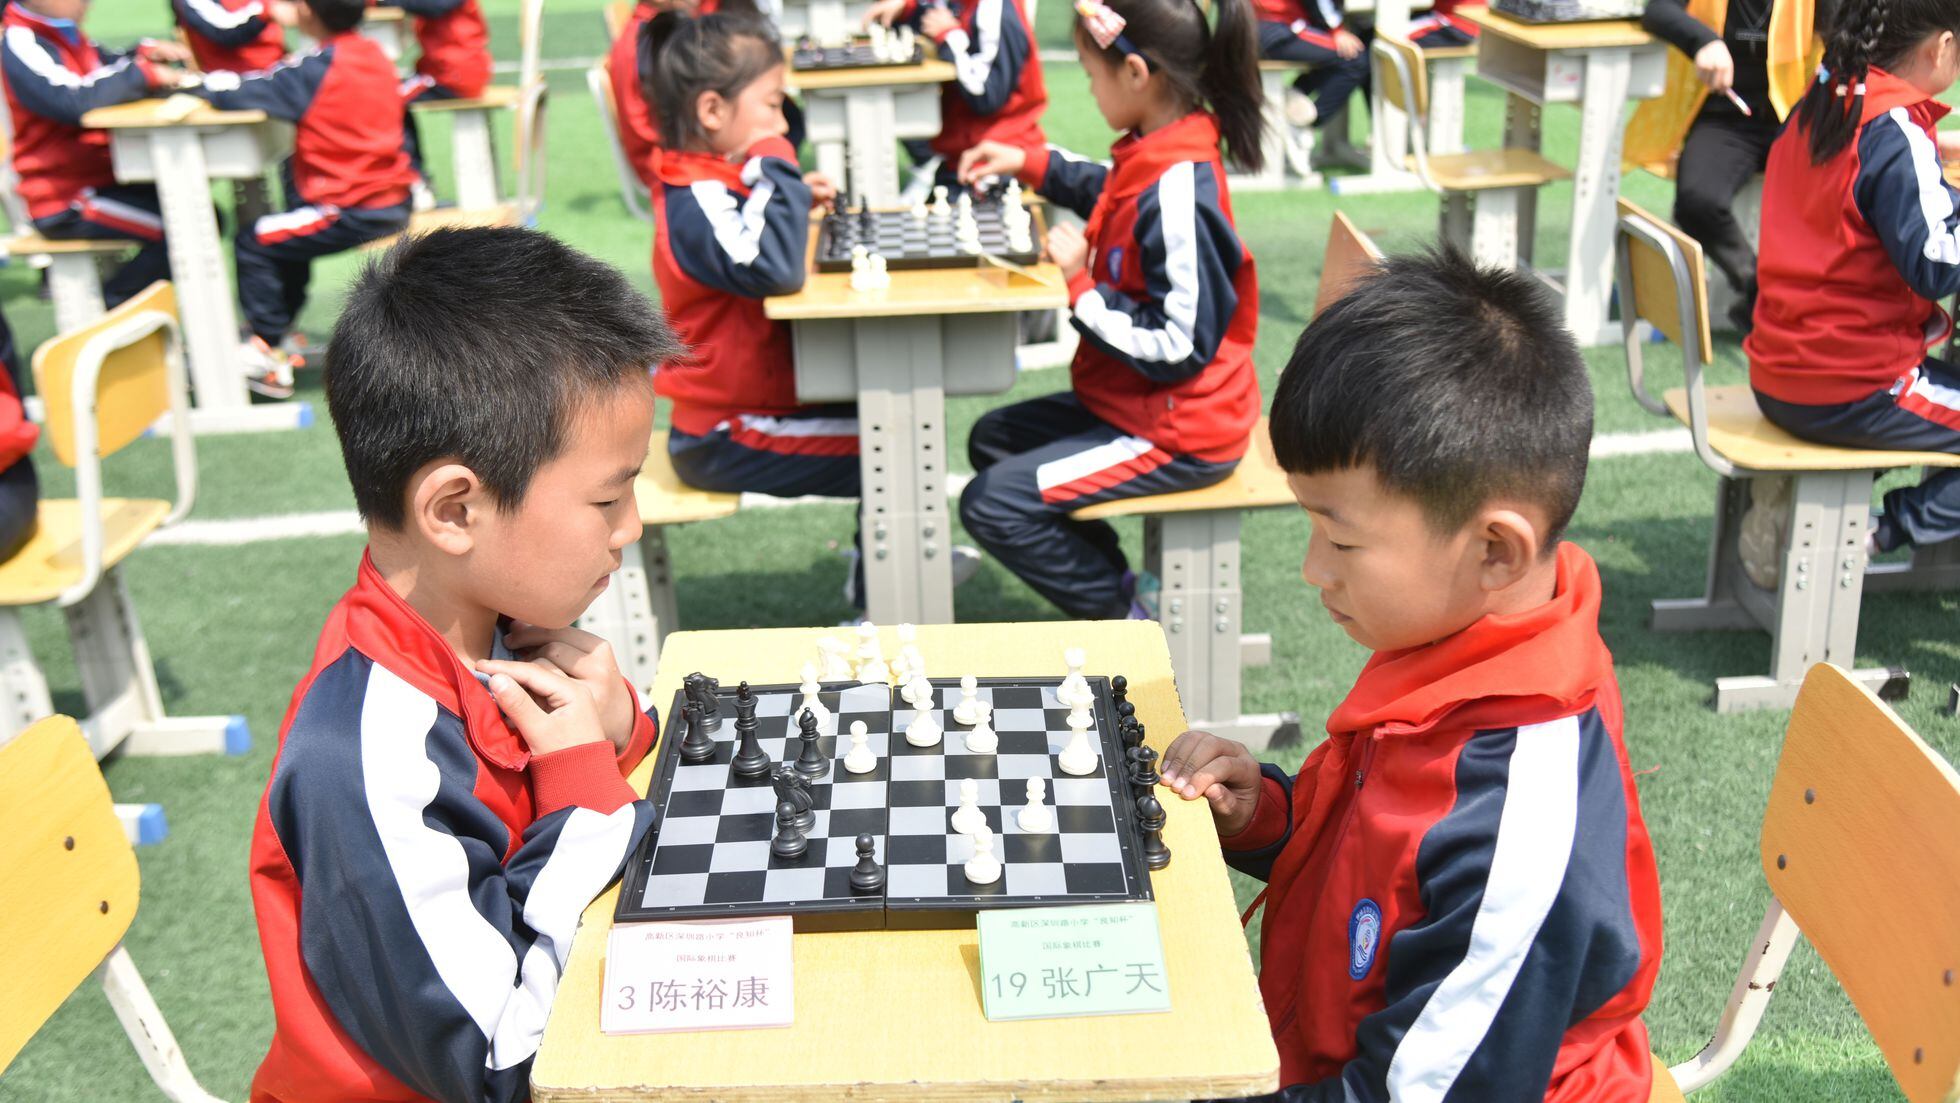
point(809, 57)
point(907, 242)
point(708, 855)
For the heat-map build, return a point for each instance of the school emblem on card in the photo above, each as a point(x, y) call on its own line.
point(1364, 935)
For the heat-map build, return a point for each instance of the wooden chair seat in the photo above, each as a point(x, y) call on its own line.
point(51, 561)
point(22, 245)
point(1257, 483)
point(1279, 65)
point(497, 97)
point(1447, 53)
point(665, 500)
point(1665, 1090)
point(1739, 432)
point(1485, 169)
point(451, 218)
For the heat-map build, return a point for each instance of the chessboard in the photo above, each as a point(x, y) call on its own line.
point(907, 241)
point(709, 854)
point(860, 53)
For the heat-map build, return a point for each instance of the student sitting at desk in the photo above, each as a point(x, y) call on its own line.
point(1861, 239)
point(346, 182)
point(998, 93)
point(234, 36)
point(1461, 898)
point(53, 75)
point(454, 64)
point(1442, 26)
point(20, 490)
point(1163, 292)
point(1315, 34)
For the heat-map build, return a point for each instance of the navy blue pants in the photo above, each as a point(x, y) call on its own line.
point(117, 211)
point(1036, 461)
point(275, 255)
point(415, 88)
point(1919, 413)
point(20, 490)
point(1330, 78)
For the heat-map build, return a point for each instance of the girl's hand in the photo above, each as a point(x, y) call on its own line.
point(991, 158)
point(936, 22)
point(823, 190)
point(884, 11)
point(1715, 66)
point(1346, 44)
point(1068, 249)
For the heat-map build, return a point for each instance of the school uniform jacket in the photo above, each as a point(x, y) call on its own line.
point(998, 92)
point(639, 132)
point(1461, 900)
point(53, 76)
point(347, 134)
point(455, 44)
point(1315, 19)
point(1856, 254)
point(1168, 305)
point(418, 874)
point(17, 434)
point(233, 36)
point(726, 236)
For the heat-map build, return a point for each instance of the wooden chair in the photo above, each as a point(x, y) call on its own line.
point(74, 881)
point(1481, 189)
point(1857, 848)
point(74, 271)
point(103, 387)
point(636, 613)
point(632, 191)
point(1812, 612)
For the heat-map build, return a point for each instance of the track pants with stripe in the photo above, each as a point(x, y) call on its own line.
point(1330, 78)
point(1920, 413)
point(117, 211)
point(418, 87)
point(1034, 462)
point(275, 256)
point(1435, 30)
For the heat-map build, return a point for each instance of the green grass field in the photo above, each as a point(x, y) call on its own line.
point(232, 628)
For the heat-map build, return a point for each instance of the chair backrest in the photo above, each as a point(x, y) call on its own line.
point(530, 160)
point(615, 15)
point(1351, 255)
point(1405, 81)
point(530, 44)
point(1654, 279)
point(1857, 845)
point(632, 191)
point(66, 871)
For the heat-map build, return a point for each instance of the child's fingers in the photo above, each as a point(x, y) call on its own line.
point(516, 703)
point(550, 686)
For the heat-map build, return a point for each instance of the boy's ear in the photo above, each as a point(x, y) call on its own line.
point(1510, 542)
point(711, 111)
point(446, 506)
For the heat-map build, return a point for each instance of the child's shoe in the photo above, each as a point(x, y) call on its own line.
point(1300, 110)
point(268, 371)
point(1764, 528)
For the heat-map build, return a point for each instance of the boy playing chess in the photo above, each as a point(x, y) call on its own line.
point(1461, 897)
point(441, 810)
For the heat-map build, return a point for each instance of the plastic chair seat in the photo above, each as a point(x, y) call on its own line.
point(1739, 432)
point(451, 218)
point(665, 500)
point(23, 245)
point(497, 97)
point(1256, 483)
point(51, 560)
point(1665, 1090)
point(1487, 169)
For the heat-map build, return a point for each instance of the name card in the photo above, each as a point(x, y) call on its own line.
point(1096, 959)
point(711, 974)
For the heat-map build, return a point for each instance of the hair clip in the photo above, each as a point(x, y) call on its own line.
point(1105, 26)
point(1842, 90)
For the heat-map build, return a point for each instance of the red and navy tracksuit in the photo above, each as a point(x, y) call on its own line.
point(417, 873)
point(1303, 31)
point(231, 36)
point(53, 76)
point(346, 182)
point(639, 131)
point(1461, 898)
point(454, 63)
point(1856, 254)
point(997, 93)
point(1164, 393)
point(1442, 26)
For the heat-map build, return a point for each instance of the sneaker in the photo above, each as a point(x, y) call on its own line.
point(294, 346)
point(966, 563)
point(851, 596)
point(1764, 528)
point(421, 197)
point(268, 371)
point(1299, 110)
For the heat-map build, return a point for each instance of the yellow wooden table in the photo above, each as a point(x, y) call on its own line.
point(896, 1015)
point(856, 118)
point(898, 353)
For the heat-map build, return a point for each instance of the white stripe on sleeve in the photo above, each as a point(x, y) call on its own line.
point(216, 14)
point(24, 44)
point(1177, 208)
point(1535, 833)
point(973, 68)
point(1935, 202)
point(738, 230)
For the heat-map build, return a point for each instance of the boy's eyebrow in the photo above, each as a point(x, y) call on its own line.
point(627, 474)
point(1328, 512)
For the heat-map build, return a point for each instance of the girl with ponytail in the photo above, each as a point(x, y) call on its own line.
point(1860, 242)
point(1163, 292)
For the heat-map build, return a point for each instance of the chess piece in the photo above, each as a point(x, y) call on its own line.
point(983, 739)
point(791, 790)
point(699, 746)
point(1150, 818)
point(968, 710)
point(1143, 769)
point(983, 868)
point(832, 654)
point(919, 211)
point(867, 876)
point(880, 274)
point(812, 702)
point(1079, 756)
point(924, 730)
point(940, 208)
point(702, 690)
point(909, 664)
point(1036, 818)
point(908, 44)
point(1119, 695)
point(1074, 690)
point(860, 760)
point(915, 692)
point(871, 656)
point(790, 842)
point(750, 761)
point(810, 761)
point(967, 818)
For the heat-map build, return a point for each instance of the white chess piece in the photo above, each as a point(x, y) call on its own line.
point(833, 657)
point(940, 207)
point(908, 43)
point(860, 760)
point(916, 692)
point(982, 739)
point(860, 269)
point(967, 818)
point(924, 730)
point(1036, 818)
point(1074, 690)
point(983, 868)
point(1079, 756)
point(968, 711)
point(826, 724)
point(871, 655)
point(919, 211)
point(909, 664)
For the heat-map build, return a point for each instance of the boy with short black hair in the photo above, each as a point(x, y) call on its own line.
point(1461, 897)
point(441, 809)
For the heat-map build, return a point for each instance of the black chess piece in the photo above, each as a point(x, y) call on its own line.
point(711, 702)
point(867, 876)
point(791, 787)
point(810, 761)
point(699, 746)
point(1119, 694)
point(1133, 735)
point(1150, 818)
point(790, 842)
point(1146, 776)
point(750, 761)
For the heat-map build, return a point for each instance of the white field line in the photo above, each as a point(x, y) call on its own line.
point(345, 522)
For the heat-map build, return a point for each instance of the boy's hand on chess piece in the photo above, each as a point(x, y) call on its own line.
point(884, 11)
point(1068, 249)
point(991, 158)
point(936, 22)
point(1200, 764)
point(550, 711)
point(587, 660)
point(823, 190)
point(1346, 44)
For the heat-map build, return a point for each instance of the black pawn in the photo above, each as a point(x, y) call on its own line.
point(1119, 693)
point(810, 762)
point(867, 876)
point(750, 761)
point(790, 842)
point(699, 746)
point(1133, 735)
point(1150, 817)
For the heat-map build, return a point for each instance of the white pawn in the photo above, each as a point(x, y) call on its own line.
point(924, 730)
point(1079, 756)
point(982, 740)
point(983, 868)
point(871, 655)
point(941, 208)
point(967, 818)
point(1036, 818)
point(826, 724)
point(832, 655)
point(919, 211)
point(968, 710)
point(860, 760)
point(915, 692)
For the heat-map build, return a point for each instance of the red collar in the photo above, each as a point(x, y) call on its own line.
point(1137, 160)
point(1883, 92)
point(681, 167)
point(1551, 655)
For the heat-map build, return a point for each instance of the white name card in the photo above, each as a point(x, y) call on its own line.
point(711, 974)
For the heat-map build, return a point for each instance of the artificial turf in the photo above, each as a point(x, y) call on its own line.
point(232, 628)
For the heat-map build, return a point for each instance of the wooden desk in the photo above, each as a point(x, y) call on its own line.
point(856, 118)
point(473, 159)
point(182, 157)
point(895, 1015)
point(1599, 66)
point(898, 353)
point(820, 18)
